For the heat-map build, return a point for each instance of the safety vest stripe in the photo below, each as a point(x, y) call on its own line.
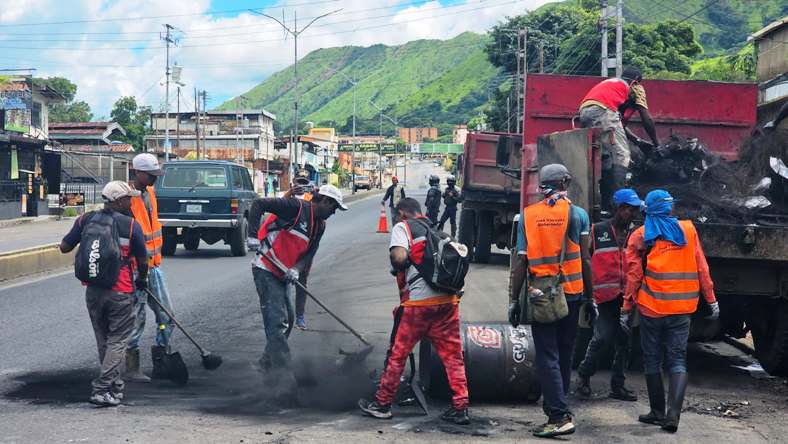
point(300, 235)
point(669, 296)
point(153, 235)
point(572, 277)
point(553, 259)
point(606, 250)
point(603, 286)
point(671, 276)
point(123, 242)
point(154, 251)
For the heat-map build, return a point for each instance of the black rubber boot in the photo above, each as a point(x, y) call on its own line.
point(656, 400)
point(678, 385)
point(158, 354)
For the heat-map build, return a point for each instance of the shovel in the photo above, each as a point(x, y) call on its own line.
point(209, 360)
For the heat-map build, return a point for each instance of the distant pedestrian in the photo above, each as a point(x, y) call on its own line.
point(394, 193)
point(145, 209)
point(110, 297)
point(666, 274)
point(552, 258)
point(451, 198)
point(433, 202)
point(423, 312)
point(608, 263)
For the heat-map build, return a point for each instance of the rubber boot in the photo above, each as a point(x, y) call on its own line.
point(158, 354)
point(656, 400)
point(678, 385)
point(133, 372)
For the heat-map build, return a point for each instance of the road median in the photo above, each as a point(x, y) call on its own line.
point(28, 261)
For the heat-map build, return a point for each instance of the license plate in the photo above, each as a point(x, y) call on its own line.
point(194, 208)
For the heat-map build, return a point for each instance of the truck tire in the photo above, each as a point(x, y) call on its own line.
point(467, 229)
point(191, 243)
point(238, 238)
point(769, 327)
point(484, 236)
point(169, 241)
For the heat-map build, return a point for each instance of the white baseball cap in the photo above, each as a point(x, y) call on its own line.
point(116, 190)
point(334, 193)
point(147, 162)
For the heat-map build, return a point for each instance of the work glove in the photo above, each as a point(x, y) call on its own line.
point(141, 284)
point(623, 320)
point(252, 243)
point(769, 125)
point(514, 313)
point(292, 276)
point(715, 311)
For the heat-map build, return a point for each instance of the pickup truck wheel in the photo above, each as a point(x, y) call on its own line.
point(238, 238)
point(467, 229)
point(191, 243)
point(769, 327)
point(169, 241)
point(484, 236)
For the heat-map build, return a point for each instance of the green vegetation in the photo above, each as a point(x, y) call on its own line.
point(134, 119)
point(70, 111)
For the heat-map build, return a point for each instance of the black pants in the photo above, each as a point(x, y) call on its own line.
point(607, 330)
point(450, 214)
point(432, 215)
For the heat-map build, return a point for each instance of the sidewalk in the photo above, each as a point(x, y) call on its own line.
point(33, 234)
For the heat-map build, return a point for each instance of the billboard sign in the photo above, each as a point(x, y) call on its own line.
point(16, 99)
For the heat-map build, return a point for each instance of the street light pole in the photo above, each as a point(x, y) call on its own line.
point(353, 153)
point(295, 32)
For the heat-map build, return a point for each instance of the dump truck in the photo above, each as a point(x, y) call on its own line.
point(490, 199)
point(748, 261)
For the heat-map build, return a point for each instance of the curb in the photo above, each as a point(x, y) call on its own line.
point(361, 195)
point(20, 263)
point(24, 220)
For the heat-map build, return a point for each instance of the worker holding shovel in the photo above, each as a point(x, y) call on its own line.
point(289, 239)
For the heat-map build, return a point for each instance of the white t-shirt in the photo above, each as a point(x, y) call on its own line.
point(419, 289)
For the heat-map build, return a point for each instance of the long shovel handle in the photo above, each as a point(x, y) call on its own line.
point(283, 269)
point(174, 320)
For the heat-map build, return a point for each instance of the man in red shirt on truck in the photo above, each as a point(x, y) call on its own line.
point(609, 105)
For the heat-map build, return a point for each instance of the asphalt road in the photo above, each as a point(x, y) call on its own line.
point(48, 357)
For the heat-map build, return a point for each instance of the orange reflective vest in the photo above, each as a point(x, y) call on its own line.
point(285, 242)
point(670, 281)
point(150, 224)
point(545, 230)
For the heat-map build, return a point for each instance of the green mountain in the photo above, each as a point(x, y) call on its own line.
point(423, 83)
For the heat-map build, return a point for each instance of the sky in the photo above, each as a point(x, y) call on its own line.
point(113, 48)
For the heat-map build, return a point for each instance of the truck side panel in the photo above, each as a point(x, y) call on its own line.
point(481, 173)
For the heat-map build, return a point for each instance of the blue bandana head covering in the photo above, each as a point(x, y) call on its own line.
point(659, 222)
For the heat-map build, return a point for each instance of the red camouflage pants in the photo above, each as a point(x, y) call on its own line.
point(439, 323)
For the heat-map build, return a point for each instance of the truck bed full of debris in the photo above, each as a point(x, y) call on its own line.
point(708, 188)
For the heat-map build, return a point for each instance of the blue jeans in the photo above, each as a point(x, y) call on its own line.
point(607, 330)
point(666, 336)
point(158, 286)
point(553, 345)
point(273, 305)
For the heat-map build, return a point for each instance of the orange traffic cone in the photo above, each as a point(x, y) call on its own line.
point(383, 222)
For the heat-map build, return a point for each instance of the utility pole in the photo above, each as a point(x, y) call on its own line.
point(178, 120)
point(196, 123)
point(204, 95)
point(295, 32)
point(508, 114)
point(603, 26)
point(619, 37)
point(380, 151)
point(168, 39)
point(522, 42)
point(541, 57)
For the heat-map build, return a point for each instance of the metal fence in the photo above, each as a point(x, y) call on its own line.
point(80, 193)
point(12, 190)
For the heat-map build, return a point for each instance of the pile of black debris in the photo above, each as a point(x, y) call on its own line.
point(708, 188)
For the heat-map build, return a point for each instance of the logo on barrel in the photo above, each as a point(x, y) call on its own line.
point(484, 337)
point(519, 339)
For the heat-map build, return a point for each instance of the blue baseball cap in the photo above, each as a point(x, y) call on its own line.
point(627, 196)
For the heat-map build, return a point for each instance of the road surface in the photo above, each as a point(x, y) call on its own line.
point(49, 357)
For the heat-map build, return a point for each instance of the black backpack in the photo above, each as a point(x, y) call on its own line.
point(445, 262)
point(98, 258)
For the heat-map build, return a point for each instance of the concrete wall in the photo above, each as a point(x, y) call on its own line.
point(772, 55)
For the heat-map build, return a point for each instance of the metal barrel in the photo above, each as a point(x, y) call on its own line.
point(499, 364)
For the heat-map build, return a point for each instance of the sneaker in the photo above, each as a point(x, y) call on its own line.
point(623, 394)
point(565, 426)
point(583, 388)
point(374, 409)
point(459, 417)
point(104, 400)
point(300, 323)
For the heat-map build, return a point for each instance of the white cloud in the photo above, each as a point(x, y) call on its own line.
point(224, 55)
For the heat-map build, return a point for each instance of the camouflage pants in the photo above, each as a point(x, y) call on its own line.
point(615, 147)
point(439, 323)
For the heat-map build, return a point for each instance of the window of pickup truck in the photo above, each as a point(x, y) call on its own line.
point(194, 177)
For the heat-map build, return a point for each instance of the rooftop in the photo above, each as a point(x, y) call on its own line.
point(770, 28)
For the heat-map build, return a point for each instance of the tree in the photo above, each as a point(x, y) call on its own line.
point(71, 110)
point(134, 119)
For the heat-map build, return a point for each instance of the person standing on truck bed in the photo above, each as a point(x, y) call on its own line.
point(145, 211)
point(451, 197)
point(289, 239)
point(609, 105)
point(666, 274)
point(549, 231)
point(608, 244)
point(394, 193)
point(433, 202)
